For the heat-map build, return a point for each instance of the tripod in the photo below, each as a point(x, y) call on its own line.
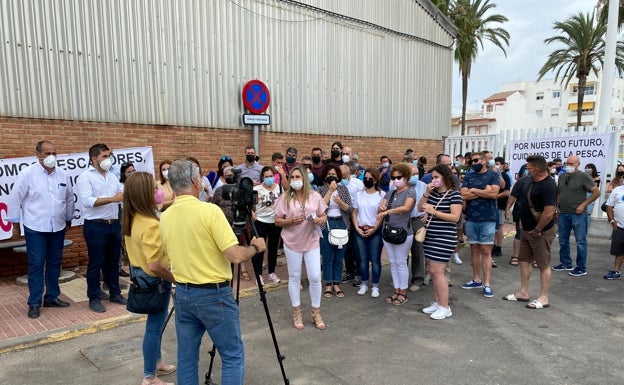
point(242, 233)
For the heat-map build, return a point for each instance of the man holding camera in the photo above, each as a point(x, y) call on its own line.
point(201, 245)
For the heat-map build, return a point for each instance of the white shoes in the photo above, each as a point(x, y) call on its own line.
point(375, 292)
point(456, 259)
point(273, 277)
point(431, 309)
point(363, 289)
point(441, 313)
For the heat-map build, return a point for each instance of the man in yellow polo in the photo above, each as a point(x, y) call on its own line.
point(201, 245)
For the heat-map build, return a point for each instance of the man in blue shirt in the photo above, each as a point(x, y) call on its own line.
point(479, 191)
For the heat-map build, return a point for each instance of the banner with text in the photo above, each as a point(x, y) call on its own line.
point(594, 149)
point(74, 164)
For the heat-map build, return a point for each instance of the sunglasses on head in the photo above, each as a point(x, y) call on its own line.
point(226, 158)
point(127, 164)
point(396, 177)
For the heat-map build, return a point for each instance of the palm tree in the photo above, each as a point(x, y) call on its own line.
point(583, 49)
point(473, 27)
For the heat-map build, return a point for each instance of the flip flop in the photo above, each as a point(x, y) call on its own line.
point(535, 304)
point(512, 297)
point(513, 261)
point(327, 294)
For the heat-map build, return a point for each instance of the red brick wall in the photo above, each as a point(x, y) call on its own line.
point(19, 136)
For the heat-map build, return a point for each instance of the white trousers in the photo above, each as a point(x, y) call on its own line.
point(312, 260)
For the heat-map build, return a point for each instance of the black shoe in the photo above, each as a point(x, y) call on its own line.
point(357, 281)
point(56, 303)
point(347, 278)
point(104, 295)
point(96, 306)
point(119, 299)
point(33, 311)
point(497, 251)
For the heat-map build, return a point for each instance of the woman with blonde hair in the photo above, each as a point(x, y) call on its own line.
point(299, 212)
point(149, 264)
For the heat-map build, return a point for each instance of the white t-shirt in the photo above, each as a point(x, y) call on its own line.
point(615, 201)
point(265, 211)
point(367, 206)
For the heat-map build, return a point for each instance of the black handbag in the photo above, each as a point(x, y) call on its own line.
point(392, 234)
point(148, 298)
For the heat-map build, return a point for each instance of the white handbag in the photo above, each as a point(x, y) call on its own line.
point(337, 237)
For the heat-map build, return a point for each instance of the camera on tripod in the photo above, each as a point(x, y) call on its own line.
point(240, 192)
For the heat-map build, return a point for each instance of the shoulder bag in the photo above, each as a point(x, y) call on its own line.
point(146, 299)
point(392, 234)
point(337, 237)
point(422, 232)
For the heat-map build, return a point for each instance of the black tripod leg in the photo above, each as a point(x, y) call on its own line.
point(212, 353)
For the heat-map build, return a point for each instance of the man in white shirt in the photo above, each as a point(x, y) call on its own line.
point(46, 208)
point(100, 192)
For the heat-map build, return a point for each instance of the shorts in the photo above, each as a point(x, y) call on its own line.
point(537, 249)
point(617, 242)
point(480, 232)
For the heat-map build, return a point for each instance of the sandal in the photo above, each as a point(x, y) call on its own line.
point(494, 264)
point(400, 299)
point(327, 293)
point(297, 318)
point(513, 261)
point(339, 293)
point(245, 276)
point(317, 320)
point(535, 265)
point(392, 298)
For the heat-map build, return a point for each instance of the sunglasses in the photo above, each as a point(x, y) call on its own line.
point(396, 177)
point(475, 160)
point(127, 164)
point(308, 166)
point(226, 158)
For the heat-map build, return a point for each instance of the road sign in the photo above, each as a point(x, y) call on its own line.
point(258, 120)
point(256, 96)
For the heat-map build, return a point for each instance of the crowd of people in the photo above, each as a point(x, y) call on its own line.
point(418, 218)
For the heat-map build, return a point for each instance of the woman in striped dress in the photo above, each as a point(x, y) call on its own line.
point(443, 203)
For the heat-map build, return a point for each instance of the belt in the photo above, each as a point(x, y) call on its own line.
point(204, 285)
point(335, 218)
point(106, 221)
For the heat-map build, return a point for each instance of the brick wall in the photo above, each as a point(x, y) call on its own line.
point(19, 136)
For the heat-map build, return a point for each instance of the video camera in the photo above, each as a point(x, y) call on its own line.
point(239, 191)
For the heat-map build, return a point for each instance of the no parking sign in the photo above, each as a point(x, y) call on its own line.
point(256, 99)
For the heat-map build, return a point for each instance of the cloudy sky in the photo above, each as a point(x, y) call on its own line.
point(530, 22)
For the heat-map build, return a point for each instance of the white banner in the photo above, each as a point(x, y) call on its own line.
point(594, 149)
point(74, 164)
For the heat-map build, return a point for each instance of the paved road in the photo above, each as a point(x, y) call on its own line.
point(487, 341)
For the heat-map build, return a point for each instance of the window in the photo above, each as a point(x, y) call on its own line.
point(554, 112)
point(539, 96)
point(556, 94)
point(539, 113)
point(489, 108)
point(590, 89)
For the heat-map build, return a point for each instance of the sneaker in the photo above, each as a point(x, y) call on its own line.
point(441, 313)
point(577, 272)
point(273, 277)
point(363, 289)
point(375, 292)
point(456, 259)
point(119, 299)
point(562, 267)
point(496, 251)
point(96, 306)
point(612, 274)
point(487, 292)
point(427, 279)
point(431, 308)
point(357, 281)
point(347, 278)
point(472, 284)
point(414, 287)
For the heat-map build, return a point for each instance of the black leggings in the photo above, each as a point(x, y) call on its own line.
point(273, 233)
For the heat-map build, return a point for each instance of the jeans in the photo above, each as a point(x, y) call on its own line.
point(104, 248)
point(153, 326)
point(331, 264)
point(45, 253)
point(578, 223)
point(370, 254)
point(213, 311)
point(352, 254)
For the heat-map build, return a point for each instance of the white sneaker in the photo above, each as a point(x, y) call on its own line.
point(273, 277)
point(375, 292)
point(431, 309)
point(441, 313)
point(363, 289)
point(456, 259)
point(427, 279)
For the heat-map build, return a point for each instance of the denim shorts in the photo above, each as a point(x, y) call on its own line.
point(480, 232)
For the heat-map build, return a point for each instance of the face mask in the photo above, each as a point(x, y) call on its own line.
point(269, 181)
point(50, 161)
point(369, 182)
point(345, 182)
point(250, 158)
point(559, 168)
point(457, 163)
point(165, 174)
point(413, 180)
point(588, 170)
point(291, 159)
point(106, 164)
point(330, 179)
point(310, 177)
point(345, 158)
point(415, 162)
point(296, 184)
point(316, 159)
point(491, 163)
point(230, 179)
point(553, 170)
point(335, 154)
point(570, 169)
point(526, 172)
point(436, 183)
point(398, 183)
point(356, 166)
point(159, 196)
point(385, 165)
point(477, 167)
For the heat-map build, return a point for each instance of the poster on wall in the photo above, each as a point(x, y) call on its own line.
point(74, 164)
point(594, 149)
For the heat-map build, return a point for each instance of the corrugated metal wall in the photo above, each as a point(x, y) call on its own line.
point(185, 63)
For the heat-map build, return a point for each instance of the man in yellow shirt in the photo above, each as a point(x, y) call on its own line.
point(201, 245)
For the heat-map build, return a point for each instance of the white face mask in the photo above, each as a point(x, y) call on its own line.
point(106, 164)
point(570, 169)
point(50, 161)
point(296, 184)
point(165, 174)
point(345, 158)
